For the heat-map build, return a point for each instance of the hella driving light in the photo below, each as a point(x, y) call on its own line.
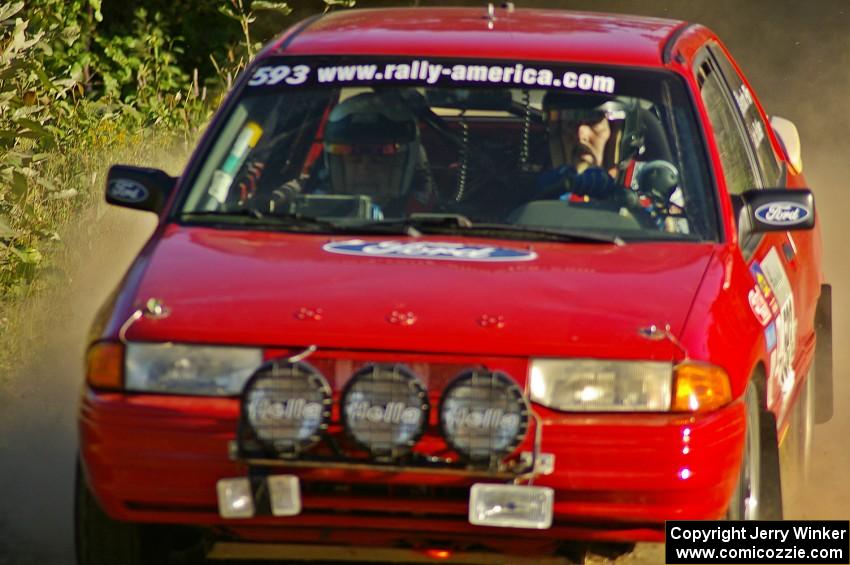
point(483, 415)
point(287, 406)
point(235, 499)
point(385, 409)
point(511, 506)
point(189, 369)
point(598, 385)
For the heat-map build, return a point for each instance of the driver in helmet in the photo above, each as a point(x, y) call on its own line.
point(585, 135)
point(593, 146)
point(372, 148)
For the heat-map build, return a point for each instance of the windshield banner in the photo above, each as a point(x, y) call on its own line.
point(283, 73)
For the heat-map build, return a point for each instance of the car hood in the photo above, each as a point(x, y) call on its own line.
point(524, 298)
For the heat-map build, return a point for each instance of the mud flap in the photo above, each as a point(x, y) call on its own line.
point(770, 495)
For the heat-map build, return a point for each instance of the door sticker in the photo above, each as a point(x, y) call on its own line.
point(759, 306)
point(770, 336)
point(782, 368)
point(761, 280)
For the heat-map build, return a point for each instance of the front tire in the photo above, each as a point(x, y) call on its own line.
point(758, 494)
point(99, 539)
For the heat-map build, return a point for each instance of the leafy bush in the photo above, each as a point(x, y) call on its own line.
point(30, 110)
point(79, 80)
point(54, 119)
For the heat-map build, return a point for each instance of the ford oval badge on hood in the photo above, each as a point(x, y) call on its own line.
point(428, 250)
point(782, 213)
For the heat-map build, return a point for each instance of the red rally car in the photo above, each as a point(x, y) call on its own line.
point(459, 284)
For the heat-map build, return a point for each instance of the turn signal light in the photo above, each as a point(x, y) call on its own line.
point(105, 365)
point(699, 387)
point(439, 554)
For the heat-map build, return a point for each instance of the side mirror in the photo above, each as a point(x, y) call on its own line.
point(778, 209)
point(138, 188)
point(790, 138)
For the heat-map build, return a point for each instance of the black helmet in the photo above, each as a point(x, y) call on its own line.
point(368, 124)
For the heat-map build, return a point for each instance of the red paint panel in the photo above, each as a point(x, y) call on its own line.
point(542, 35)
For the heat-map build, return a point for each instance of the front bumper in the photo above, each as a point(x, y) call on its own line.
point(157, 459)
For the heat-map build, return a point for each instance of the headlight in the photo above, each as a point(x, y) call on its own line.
point(189, 369)
point(598, 385)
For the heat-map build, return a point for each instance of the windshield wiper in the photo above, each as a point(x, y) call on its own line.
point(408, 225)
point(553, 233)
point(260, 219)
point(241, 213)
point(413, 224)
point(433, 219)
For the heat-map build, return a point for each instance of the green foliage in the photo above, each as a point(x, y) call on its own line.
point(54, 114)
point(281, 7)
point(141, 69)
point(197, 26)
point(341, 3)
point(68, 26)
point(27, 130)
point(80, 79)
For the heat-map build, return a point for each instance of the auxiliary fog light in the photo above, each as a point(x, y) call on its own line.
point(385, 409)
point(235, 498)
point(511, 506)
point(483, 415)
point(287, 406)
point(284, 495)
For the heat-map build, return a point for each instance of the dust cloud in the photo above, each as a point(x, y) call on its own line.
point(795, 58)
point(39, 437)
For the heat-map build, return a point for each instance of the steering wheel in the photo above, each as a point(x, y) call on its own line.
point(629, 200)
point(618, 199)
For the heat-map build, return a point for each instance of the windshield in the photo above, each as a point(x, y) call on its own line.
point(516, 148)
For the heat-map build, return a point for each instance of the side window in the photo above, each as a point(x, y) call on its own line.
point(756, 128)
point(738, 166)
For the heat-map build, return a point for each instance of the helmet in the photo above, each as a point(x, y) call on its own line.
point(570, 110)
point(380, 131)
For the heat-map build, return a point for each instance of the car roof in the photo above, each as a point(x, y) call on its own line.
point(543, 35)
